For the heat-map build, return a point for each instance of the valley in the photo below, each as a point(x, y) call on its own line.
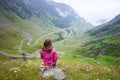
point(85, 52)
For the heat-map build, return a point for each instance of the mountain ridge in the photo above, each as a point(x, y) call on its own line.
point(103, 40)
point(32, 19)
point(58, 13)
point(110, 28)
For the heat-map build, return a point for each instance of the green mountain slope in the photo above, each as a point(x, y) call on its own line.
point(61, 15)
point(105, 40)
point(24, 24)
point(32, 20)
point(110, 28)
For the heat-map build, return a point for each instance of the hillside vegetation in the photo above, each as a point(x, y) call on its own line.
point(33, 20)
point(85, 53)
point(105, 40)
point(75, 68)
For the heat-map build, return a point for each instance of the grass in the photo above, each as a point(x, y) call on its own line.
point(75, 68)
point(111, 41)
point(10, 41)
point(112, 51)
point(32, 48)
point(108, 60)
point(20, 70)
point(26, 48)
point(107, 45)
point(13, 32)
point(9, 15)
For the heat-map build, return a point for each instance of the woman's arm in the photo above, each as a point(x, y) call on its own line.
point(55, 56)
point(41, 54)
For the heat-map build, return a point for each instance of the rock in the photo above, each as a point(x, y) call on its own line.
point(47, 72)
point(59, 74)
point(56, 73)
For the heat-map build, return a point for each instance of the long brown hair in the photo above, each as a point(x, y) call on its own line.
point(47, 44)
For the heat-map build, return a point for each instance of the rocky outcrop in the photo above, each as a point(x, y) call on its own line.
point(56, 73)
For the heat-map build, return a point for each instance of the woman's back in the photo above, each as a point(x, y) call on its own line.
point(48, 54)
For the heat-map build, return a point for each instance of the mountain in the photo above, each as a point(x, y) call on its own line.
point(105, 40)
point(28, 21)
point(110, 28)
point(61, 15)
point(25, 24)
point(116, 20)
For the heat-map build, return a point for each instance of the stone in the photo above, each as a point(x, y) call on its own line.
point(56, 73)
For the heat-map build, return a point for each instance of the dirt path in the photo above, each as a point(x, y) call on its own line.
point(25, 54)
point(41, 37)
point(20, 47)
point(45, 36)
point(10, 55)
point(28, 43)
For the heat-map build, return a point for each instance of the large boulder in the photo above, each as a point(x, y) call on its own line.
point(56, 73)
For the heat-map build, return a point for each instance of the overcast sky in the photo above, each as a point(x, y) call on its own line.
point(95, 11)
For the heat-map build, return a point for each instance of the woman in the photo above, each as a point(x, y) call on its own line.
point(48, 54)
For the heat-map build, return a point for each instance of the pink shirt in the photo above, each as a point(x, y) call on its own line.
point(48, 57)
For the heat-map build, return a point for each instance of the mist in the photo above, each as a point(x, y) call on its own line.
point(95, 11)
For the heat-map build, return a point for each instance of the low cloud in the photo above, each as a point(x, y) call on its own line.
point(94, 10)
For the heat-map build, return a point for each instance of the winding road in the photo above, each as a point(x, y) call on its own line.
point(36, 53)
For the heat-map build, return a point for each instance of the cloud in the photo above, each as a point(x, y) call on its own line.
point(94, 10)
